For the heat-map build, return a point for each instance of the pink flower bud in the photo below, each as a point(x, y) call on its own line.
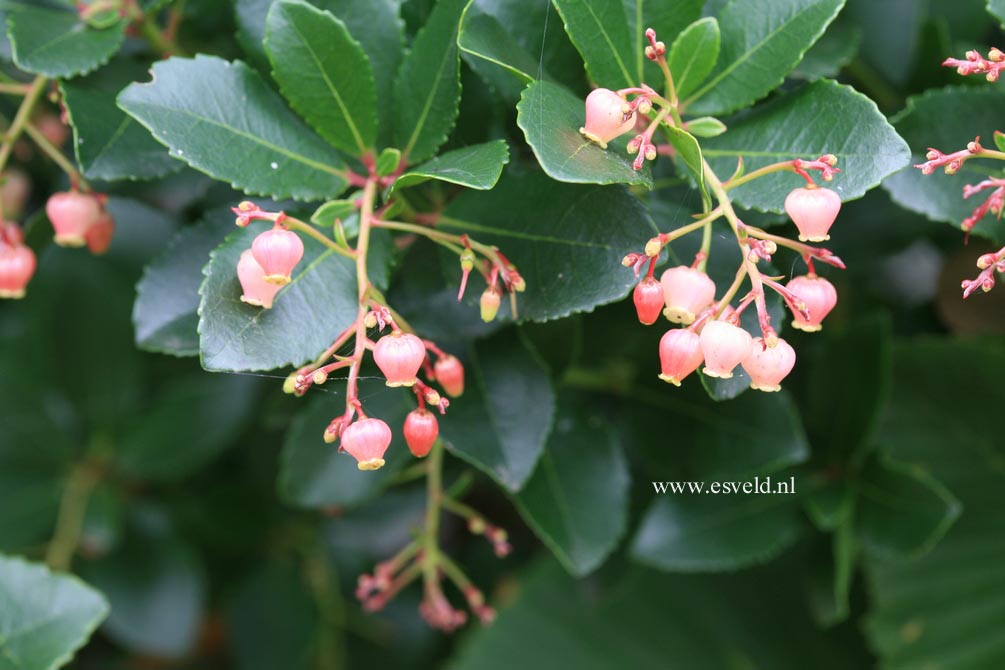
point(17, 265)
point(489, 303)
point(687, 291)
point(680, 354)
point(52, 129)
point(768, 366)
point(256, 291)
point(14, 192)
point(366, 441)
point(724, 346)
point(818, 296)
point(813, 210)
point(399, 356)
point(449, 373)
point(71, 214)
point(421, 431)
point(99, 235)
point(648, 297)
point(278, 251)
point(605, 117)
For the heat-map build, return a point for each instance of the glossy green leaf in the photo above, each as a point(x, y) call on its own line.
point(387, 162)
point(189, 424)
point(236, 336)
point(689, 151)
point(940, 196)
point(222, 119)
point(902, 512)
point(165, 314)
point(314, 474)
point(110, 145)
point(577, 499)
point(651, 620)
point(693, 54)
point(710, 532)
point(599, 29)
point(832, 52)
point(324, 73)
point(944, 609)
point(706, 126)
point(156, 587)
point(762, 41)
point(478, 167)
point(56, 43)
point(427, 90)
point(484, 36)
point(550, 117)
point(830, 572)
point(823, 117)
point(997, 10)
point(567, 241)
point(46, 617)
point(501, 422)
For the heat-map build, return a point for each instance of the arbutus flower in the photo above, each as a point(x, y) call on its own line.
point(724, 346)
point(606, 117)
point(817, 295)
point(255, 290)
point(421, 430)
point(648, 298)
point(680, 354)
point(813, 210)
point(72, 213)
point(366, 440)
point(449, 373)
point(399, 356)
point(278, 251)
point(686, 291)
point(768, 366)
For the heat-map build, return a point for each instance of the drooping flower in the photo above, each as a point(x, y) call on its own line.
point(72, 213)
point(449, 373)
point(724, 346)
point(99, 235)
point(819, 297)
point(421, 431)
point(278, 251)
point(17, 265)
point(255, 290)
point(680, 354)
point(686, 291)
point(366, 440)
point(648, 298)
point(768, 366)
point(399, 356)
point(605, 117)
point(813, 210)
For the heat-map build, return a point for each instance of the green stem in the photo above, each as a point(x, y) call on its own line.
point(320, 577)
point(15, 88)
point(83, 479)
point(434, 493)
point(53, 152)
point(151, 32)
point(784, 166)
point(13, 133)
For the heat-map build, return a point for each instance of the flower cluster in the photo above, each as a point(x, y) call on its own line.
point(710, 331)
point(994, 200)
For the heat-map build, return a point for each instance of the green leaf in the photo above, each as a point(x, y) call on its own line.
point(501, 422)
point(833, 119)
point(427, 90)
point(706, 126)
point(326, 214)
point(477, 167)
point(830, 572)
point(165, 314)
point(314, 474)
point(999, 140)
point(108, 144)
point(47, 617)
point(387, 162)
point(223, 119)
point(997, 9)
point(761, 43)
point(484, 36)
point(693, 54)
point(689, 151)
point(647, 619)
point(324, 73)
point(711, 532)
point(922, 123)
point(599, 29)
point(843, 414)
point(189, 424)
point(550, 117)
point(567, 241)
point(156, 586)
point(57, 43)
point(832, 52)
point(577, 499)
point(944, 609)
point(902, 512)
point(234, 336)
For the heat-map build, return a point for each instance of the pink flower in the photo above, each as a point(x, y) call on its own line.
point(399, 356)
point(687, 291)
point(648, 297)
point(278, 251)
point(256, 291)
point(813, 210)
point(421, 431)
point(680, 354)
point(768, 366)
point(606, 117)
point(366, 441)
point(449, 372)
point(724, 346)
point(819, 297)
point(99, 235)
point(17, 265)
point(71, 214)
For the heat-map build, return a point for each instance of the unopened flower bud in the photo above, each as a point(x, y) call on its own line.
point(645, 106)
point(467, 260)
point(634, 144)
point(476, 525)
point(517, 282)
point(290, 383)
point(319, 377)
point(995, 55)
point(421, 430)
point(648, 299)
point(654, 247)
point(370, 320)
point(449, 373)
point(490, 301)
point(986, 260)
point(953, 167)
point(651, 152)
point(432, 397)
point(650, 53)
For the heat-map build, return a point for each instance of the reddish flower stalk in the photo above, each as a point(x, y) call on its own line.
point(990, 67)
point(985, 281)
